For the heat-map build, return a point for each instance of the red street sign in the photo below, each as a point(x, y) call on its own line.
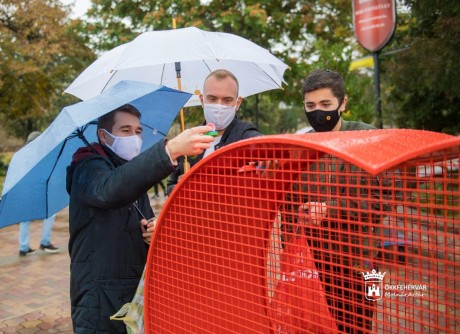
point(374, 22)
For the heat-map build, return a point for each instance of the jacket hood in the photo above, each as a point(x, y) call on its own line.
point(82, 153)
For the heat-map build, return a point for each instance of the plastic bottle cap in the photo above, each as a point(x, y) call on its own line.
point(211, 133)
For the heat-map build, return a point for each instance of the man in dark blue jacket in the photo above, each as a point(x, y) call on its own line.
point(220, 101)
point(110, 216)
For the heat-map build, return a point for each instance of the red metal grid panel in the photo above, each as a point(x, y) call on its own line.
point(339, 232)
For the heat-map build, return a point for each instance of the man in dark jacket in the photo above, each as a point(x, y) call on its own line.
point(332, 232)
point(220, 101)
point(110, 215)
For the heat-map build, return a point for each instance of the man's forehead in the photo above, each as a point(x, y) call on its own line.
point(220, 86)
point(323, 95)
point(124, 120)
point(321, 100)
point(222, 96)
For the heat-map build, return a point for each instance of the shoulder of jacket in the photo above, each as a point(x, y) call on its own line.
point(79, 167)
point(94, 159)
point(354, 125)
point(246, 126)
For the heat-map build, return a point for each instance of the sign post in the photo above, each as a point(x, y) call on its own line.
point(374, 23)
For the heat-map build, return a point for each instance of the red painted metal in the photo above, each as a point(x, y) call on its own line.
point(386, 248)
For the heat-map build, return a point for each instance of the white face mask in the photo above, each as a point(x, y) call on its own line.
point(125, 147)
point(219, 114)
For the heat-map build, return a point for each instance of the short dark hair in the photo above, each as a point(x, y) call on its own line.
point(108, 120)
point(318, 79)
point(221, 74)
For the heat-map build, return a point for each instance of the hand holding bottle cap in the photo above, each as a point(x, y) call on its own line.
point(213, 132)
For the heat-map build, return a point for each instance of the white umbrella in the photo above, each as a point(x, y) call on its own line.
point(153, 56)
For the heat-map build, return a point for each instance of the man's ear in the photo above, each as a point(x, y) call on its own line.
point(102, 136)
point(238, 102)
point(344, 104)
point(201, 100)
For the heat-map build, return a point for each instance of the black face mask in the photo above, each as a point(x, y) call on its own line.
point(322, 120)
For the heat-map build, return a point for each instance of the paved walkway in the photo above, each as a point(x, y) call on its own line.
point(34, 290)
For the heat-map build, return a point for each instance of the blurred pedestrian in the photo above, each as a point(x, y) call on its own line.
point(45, 243)
point(24, 227)
point(156, 193)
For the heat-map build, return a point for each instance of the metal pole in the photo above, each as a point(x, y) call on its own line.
point(182, 117)
point(257, 110)
point(375, 55)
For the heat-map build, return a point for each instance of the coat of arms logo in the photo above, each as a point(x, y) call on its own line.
point(373, 285)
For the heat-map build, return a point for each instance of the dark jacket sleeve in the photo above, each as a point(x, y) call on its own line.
point(97, 183)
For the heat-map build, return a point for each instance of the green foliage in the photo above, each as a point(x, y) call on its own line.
point(269, 116)
point(4, 162)
point(41, 53)
point(423, 85)
point(438, 197)
point(289, 120)
point(44, 51)
point(305, 35)
point(361, 98)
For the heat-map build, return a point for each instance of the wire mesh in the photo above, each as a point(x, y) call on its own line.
point(322, 233)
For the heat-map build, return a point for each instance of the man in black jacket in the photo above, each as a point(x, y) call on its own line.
point(110, 216)
point(220, 101)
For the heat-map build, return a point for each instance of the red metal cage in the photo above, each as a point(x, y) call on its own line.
point(354, 232)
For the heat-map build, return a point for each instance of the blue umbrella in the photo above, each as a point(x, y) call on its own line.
point(35, 182)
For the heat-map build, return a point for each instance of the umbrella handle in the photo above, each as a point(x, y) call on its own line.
point(182, 119)
point(179, 86)
point(182, 123)
point(186, 165)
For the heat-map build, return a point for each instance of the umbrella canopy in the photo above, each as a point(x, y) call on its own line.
point(35, 182)
point(152, 57)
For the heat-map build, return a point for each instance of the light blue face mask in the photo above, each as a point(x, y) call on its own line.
point(125, 147)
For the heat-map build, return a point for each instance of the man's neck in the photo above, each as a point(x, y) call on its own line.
point(338, 125)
